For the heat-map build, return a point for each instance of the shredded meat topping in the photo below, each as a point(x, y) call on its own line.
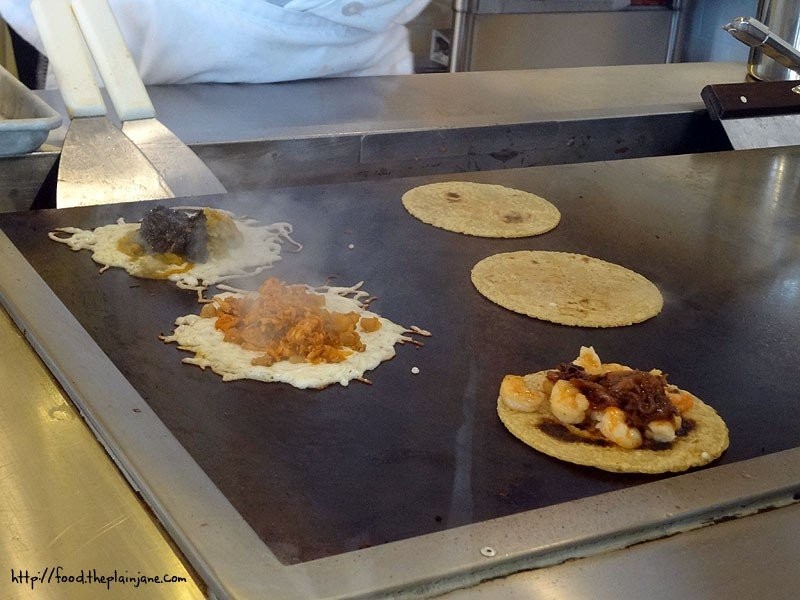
point(641, 395)
point(164, 230)
point(289, 323)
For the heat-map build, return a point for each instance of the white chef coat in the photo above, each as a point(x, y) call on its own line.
point(254, 41)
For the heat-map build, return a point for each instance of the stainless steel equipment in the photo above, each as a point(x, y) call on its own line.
point(527, 34)
point(760, 38)
point(782, 17)
point(25, 119)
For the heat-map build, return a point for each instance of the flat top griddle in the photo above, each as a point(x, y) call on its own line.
point(319, 473)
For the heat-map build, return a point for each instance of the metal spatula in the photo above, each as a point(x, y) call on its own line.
point(98, 164)
point(183, 170)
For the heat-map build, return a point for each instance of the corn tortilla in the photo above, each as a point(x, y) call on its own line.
point(481, 209)
point(705, 441)
point(571, 289)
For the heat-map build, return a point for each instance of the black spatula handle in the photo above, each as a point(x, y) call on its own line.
point(737, 100)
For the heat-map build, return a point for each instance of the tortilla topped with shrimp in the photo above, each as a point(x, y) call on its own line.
point(611, 417)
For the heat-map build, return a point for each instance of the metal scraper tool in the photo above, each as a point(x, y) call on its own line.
point(763, 114)
point(98, 163)
point(183, 170)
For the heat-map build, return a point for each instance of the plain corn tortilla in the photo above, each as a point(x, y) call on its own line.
point(571, 289)
point(481, 209)
point(705, 442)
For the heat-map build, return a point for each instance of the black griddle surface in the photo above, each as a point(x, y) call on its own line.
point(321, 472)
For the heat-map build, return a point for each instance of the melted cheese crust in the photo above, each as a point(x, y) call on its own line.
point(260, 249)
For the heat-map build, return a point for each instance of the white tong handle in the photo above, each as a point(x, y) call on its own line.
point(113, 60)
point(69, 57)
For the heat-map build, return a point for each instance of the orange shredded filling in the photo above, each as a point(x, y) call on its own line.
point(287, 322)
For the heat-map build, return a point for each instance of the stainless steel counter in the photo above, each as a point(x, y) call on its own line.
point(382, 127)
point(208, 114)
point(63, 504)
point(737, 560)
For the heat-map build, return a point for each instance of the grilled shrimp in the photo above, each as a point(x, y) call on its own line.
point(680, 399)
point(614, 428)
point(567, 403)
point(663, 430)
point(590, 361)
point(518, 396)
